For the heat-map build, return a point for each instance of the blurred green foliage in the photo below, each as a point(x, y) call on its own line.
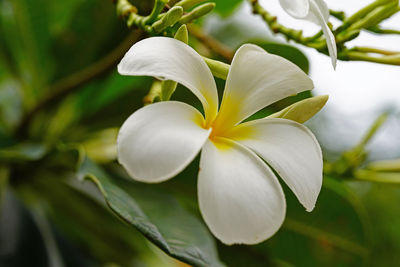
point(50, 216)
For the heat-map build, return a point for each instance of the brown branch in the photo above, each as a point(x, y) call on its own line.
point(213, 44)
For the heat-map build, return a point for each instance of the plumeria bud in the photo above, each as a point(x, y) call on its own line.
point(197, 12)
point(170, 18)
point(303, 110)
point(168, 87)
point(365, 11)
point(101, 146)
point(348, 35)
point(188, 4)
point(154, 93)
point(218, 68)
point(182, 34)
point(376, 16)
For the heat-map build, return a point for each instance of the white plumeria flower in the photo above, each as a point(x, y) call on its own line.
point(240, 198)
point(316, 11)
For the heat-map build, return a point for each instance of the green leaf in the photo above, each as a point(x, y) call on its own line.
point(108, 101)
point(4, 177)
point(289, 52)
point(89, 32)
point(98, 94)
point(226, 7)
point(101, 146)
point(78, 220)
point(381, 202)
point(10, 104)
point(157, 216)
point(25, 44)
point(337, 230)
point(23, 152)
point(21, 241)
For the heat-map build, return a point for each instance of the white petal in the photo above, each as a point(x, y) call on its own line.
point(158, 141)
point(319, 11)
point(296, 8)
point(239, 196)
point(291, 149)
point(323, 8)
point(173, 60)
point(257, 79)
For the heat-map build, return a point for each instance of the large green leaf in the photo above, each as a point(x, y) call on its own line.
point(381, 202)
point(157, 216)
point(23, 152)
point(98, 95)
point(10, 104)
point(4, 177)
point(25, 29)
point(287, 51)
point(78, 220)
point(88, 33)
point(102, 103)
point(21, 241)
point(226, 7)
point(336, 233)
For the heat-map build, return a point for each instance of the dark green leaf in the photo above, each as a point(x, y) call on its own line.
point(27, 38)
point(21, 243)
point(158, 216)
point(381, 202)
point(23, 152)
point(79, 43)
point(335, 233)
point(226, 7)
point(4, 177)
point(97, 95)
point(78, 220)
point(10, 103)
point(289, 52)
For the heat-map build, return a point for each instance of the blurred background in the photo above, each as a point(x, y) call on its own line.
point(62, 103)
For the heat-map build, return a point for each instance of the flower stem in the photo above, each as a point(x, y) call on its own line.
point(381, 177)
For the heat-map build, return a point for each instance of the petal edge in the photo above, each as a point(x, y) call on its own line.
point(240, 198)
point(158, 141)
point(251, 87)
point(292, 151)
point(173, 60)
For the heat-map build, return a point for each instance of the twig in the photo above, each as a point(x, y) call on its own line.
point(290, 34)
point(388, 59)
point(374, 176)
point(374, 50)
point(364, 18)
point(73, 82)
point(213, 44)
point(379, 30)
point(340, 15)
